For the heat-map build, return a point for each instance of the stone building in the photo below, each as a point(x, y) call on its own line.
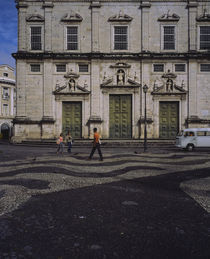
point(83, 64)
point(7, 100)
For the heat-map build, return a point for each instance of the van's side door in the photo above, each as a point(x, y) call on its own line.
point(203, 140)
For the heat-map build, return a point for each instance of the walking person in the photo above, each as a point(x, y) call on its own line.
point(60, 144)
point(96, 145)
point(69, 141)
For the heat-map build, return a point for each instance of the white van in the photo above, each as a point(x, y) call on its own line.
point(193, 137)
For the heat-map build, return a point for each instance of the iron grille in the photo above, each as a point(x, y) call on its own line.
point(36, 38)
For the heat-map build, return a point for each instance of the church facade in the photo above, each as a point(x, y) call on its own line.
point(83, 64)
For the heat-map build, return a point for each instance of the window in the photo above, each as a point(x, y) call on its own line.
point(204, 37)
point(158, 67)
point(83, 68)
point(169, 37)
point(5, 93)
point(5, 109)
point(189, 134)
point(5, 74)
point(121, 37)
point(61, 68)
point(35, 67)
point(179, 67)
point(36, 38)
point(205, 67)
point(72, 38)
point(201, 133)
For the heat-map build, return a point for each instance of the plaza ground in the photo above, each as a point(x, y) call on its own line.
point(131, 205)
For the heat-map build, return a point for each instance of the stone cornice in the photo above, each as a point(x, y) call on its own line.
point(93, 55)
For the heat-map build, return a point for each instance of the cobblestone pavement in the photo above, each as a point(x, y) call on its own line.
point(131, 205)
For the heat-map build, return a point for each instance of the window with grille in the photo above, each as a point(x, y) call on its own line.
point(204, 37)
point(83, 68)
point(179, 67)
point(5, 74)
point(205, 67)
point(72, 38)
point(35, 67)
point(36, 38)
point(5, 109)
point(169, 37)
point(61, 68)
point(121, 37)
point(158, 67)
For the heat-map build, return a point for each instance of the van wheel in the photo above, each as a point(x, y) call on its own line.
point(190, 147)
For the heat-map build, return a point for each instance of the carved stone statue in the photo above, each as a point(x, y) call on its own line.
point(120, 77)
point(72, 85)
point(169, 85)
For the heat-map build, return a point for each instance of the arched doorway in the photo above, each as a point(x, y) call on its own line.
point(5, 131)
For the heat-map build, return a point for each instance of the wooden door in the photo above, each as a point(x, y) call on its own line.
point(72, 118)
point(120, 111)
point(168, 119)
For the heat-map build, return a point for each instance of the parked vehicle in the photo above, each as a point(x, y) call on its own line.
point(193, 137)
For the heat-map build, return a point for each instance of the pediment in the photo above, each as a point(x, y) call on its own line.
point(120, 65)
point(205, 17)
point(121, 17)
point(169, 75)
point(71, 17)
point(169, 17)
point(66, 90)
point(35, 18)
point(109, 83)
point(71, 74)
point(169, 87)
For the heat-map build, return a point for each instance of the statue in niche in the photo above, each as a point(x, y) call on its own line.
point(169, 85)
point(72, 85)
point(120, 77)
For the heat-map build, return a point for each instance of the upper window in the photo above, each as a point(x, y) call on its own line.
point(205, 67)
point(179, 67)
point(121, 37)
point(36, 38)
point(5, 74)
point(35, 67)
point(72, 38)
point(83, 68)
point(61, 68)
point(204, 37)
point(169, 37)
point(158, 67)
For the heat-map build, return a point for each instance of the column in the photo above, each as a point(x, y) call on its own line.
point(145, 5)
point(95, 26)
point(192, 13)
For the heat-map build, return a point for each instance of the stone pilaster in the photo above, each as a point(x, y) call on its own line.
point(47, 90)
point(22, 8)
point(193, 95)
point(95, 12)
point(145, 8)
point(12, 101)
point(21, 89)
point(192, 13)
point(48, 6)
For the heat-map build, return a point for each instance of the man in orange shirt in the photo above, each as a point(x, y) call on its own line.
point(96, 145)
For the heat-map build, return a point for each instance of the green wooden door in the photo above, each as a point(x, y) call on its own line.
point(120, 110)
point(168, 119)
point(72, 118)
